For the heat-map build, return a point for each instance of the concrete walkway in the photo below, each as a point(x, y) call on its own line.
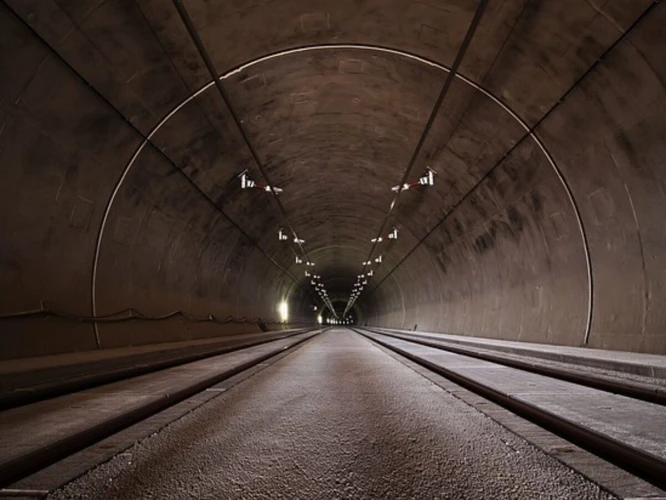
point(338, 418)
point(648, 365)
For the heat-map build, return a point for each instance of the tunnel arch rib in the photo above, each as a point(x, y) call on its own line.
point(364, 47)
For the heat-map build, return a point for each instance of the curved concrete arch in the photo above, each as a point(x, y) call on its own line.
point(268, 57)
point(543, 223)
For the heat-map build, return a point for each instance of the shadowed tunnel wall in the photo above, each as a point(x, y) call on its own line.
point(119, 180)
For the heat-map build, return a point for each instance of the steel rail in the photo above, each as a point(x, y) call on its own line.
point(645, 465)
point(14, 395)
point(36, 460)
point(636, 390)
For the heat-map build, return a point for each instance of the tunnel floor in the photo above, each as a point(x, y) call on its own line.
point(337, 418)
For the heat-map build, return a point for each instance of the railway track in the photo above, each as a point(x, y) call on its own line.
point(629, 429)
point(637, 444)
point(84, 417)
point(633, 389)
point(18, 390)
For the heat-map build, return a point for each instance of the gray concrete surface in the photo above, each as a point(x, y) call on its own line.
point(28, 374)
point(650, 368)
point(33, 428)
point(22, 365)
point(636, 424)
point(526, 243)
point(341, 419)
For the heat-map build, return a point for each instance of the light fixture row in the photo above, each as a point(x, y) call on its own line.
point(427, 179)
point(346, 321)
point(393, 235)
point(246, 182)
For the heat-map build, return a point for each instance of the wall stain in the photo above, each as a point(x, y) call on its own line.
point(486, 241)
point(537, 203)
point(516, 219)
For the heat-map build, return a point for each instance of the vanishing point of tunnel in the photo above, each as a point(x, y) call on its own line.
point(180, 171)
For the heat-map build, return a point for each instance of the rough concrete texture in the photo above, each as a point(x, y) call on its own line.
point(647, 368)
point(633, 423)
point(557, 238)
point(336, 419)
point(38, 427)
point(30, 373)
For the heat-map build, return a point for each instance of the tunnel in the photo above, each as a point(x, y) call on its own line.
point(121, 161)
point(183, 171)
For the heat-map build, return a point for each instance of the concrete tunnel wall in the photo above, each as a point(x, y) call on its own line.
point(552, 237)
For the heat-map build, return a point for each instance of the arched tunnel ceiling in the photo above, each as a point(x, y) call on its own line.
point(522, 236)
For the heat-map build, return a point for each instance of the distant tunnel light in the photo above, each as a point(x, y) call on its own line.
point(283, 309)
point(320, 319)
